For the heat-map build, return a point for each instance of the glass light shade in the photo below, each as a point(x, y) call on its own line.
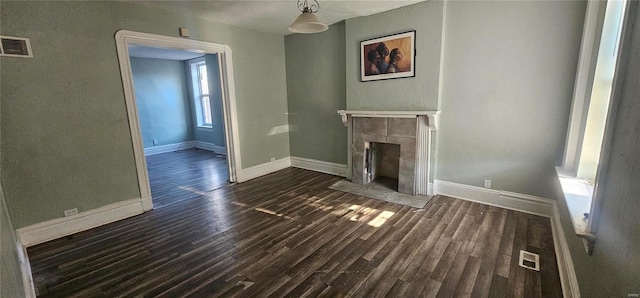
point(307, 22)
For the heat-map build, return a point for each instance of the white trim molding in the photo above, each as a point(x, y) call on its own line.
point(580, 99)
point(183, 146)
point(123, 39)
point(211, 147)
point(263, 169)
point(423, 173)
point(65, 226)
point(320, 166)
point(168, 148)
point(504, 199)
point(568, 278)
point(147, 203)
point(431, 115)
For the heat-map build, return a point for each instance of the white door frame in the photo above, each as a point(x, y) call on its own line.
point(125, 38)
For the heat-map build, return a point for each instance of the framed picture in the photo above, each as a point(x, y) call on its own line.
point(388, 57)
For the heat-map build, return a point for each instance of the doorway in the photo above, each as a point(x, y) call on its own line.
point(126, 39)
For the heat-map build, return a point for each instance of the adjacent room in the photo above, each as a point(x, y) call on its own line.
point(179, 107)
point(319, 148)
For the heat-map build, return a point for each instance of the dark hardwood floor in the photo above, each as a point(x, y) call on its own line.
point(288, 234)
point(185, 174)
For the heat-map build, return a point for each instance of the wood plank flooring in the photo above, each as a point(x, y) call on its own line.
point(287, 234)
point(185, 174)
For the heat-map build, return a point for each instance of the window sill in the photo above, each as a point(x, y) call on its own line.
point(204, 128)
point(578, 194)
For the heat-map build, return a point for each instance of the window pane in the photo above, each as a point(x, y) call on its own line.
point(204, 81)
point(601, 91)
point(200, 80)
point(206, 107)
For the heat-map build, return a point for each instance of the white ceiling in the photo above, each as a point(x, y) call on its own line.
point(272, 16)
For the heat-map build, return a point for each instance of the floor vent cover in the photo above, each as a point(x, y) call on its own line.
point(529, 260)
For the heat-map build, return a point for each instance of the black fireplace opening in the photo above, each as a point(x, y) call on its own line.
point(382, 164)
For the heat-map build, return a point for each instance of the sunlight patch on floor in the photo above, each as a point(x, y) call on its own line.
point(381, 219)
point(363, 214)
point(267, 211)
point(321, 206)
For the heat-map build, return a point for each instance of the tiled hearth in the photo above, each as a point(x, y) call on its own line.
point(410, 130)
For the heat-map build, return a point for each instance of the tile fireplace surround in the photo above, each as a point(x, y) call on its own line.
point(409, 129)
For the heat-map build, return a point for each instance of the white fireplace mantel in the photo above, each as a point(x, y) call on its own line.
point(431, 115)
point(427, 122)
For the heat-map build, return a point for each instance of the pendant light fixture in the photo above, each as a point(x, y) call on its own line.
point(307, 21)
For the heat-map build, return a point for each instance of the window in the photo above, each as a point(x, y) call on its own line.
point(200, 87)
point(593, 88)
point(590, 111)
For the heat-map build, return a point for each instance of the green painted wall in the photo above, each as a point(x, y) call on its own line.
point(10, 273)
point(418, 93)
point(316, 90)
point(509, 71)
point(323, 76)
point(64, 111)
point(614, 268)
point(11, 284)
point(507, 81)
point(162, 99)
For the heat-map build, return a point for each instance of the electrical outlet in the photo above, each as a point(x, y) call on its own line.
point(487, 183)
point(155, 142)
point(273, 159)
point(70, 212)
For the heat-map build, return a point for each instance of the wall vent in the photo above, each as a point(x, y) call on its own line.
point(11, 46)
point(529, 260)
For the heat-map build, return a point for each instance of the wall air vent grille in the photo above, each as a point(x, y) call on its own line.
point(11, 46)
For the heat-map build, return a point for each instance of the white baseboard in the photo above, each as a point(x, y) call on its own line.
point(260, 170)
point(320, 166)
point(504, 199)
point(185, 145)
point(147, 204)
point(211, 147)
point(65, 226)
point(567, 272)
point(169, 148)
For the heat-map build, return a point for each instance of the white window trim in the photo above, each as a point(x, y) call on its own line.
point(584, 81)
point(588, 191)
point(193, 99)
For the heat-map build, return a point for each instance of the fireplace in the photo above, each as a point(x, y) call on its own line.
point(393, 148)
point(382, 164)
